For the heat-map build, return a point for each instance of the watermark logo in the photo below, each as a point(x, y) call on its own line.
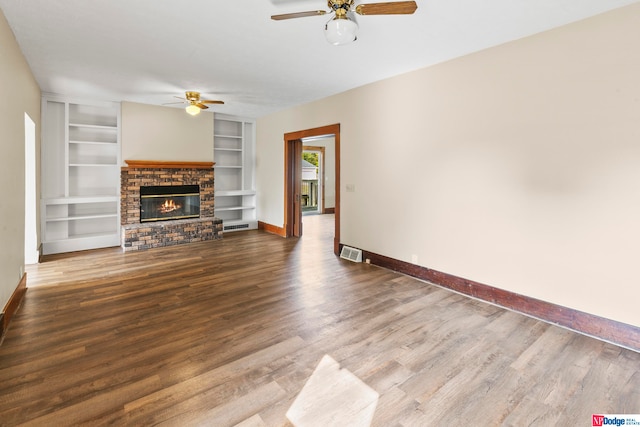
point(616, 420)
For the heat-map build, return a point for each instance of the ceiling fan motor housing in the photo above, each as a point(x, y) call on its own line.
point(193, 96)
point(340, 7)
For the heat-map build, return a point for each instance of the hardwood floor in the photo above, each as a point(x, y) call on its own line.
point(229, 332)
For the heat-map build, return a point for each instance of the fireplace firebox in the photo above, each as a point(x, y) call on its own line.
point(169, 202)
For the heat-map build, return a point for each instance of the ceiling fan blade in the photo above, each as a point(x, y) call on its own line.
point(391, 8)
point(297, 15)
point(201, 105)
point(211, 101)
point(169, 103)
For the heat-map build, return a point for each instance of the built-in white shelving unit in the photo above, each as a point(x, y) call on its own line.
point(234, 157)
point(80, 174)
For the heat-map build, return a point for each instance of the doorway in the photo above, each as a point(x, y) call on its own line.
point(313, 179)
point(293, 147)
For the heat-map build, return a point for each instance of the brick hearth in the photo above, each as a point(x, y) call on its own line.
point(138, 236)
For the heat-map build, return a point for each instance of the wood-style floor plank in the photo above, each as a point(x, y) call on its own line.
point(228, 332)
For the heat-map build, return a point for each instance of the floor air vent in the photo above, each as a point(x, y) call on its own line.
point(236, 227)
point(352, 254)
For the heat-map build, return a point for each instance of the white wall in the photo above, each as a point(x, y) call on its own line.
point(20, 94)
point(516, 167)
point(153, 132)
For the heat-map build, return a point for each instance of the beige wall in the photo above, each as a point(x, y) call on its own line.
point(517, 167)
point(152, 132)
point(20, 94)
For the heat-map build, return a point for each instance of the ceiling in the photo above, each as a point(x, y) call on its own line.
point(149, 51)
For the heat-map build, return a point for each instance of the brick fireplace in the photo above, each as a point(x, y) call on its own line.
point(146, 235)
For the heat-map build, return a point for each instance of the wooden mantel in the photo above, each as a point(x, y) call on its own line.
point(164, 164)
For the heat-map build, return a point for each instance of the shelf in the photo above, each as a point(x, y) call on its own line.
point(93, 133)
point(81, 217)
point(81, 199)
point(229, 149)
point(83, 125)
point(85, 236)
point(227, 136)
point(227, 167)
point(79, 243)
point(94, 142)
point(224, 193)
point(234, 208)
point(91, 192)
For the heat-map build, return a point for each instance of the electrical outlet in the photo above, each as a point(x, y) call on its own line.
point(351, 188)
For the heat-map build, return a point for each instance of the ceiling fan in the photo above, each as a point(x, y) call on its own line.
point(341, 29)
point(195, 103)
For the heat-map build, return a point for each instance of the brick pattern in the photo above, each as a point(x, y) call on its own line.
point(131, 179)
point(136, 236)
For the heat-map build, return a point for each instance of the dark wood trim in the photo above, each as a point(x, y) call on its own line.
point(329, 210)
point(162, 164)
point(319, 131)
point(336, 236)
point(612, 331)
point(273, 229)
point(12, 305)
point(292, 185)
point(314, 132)
point(296, 163)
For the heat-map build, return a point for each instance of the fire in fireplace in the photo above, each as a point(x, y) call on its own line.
point(169, 202)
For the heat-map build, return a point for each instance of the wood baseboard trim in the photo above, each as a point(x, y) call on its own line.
point(280, 231)
point(12, 305)
point(329, 211)
point(608, 330)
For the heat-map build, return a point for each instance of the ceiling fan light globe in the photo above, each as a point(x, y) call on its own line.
point(340, 31)
point(193, 109)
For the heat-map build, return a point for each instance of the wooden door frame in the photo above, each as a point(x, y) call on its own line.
point(291, 140)
point(292, 187)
